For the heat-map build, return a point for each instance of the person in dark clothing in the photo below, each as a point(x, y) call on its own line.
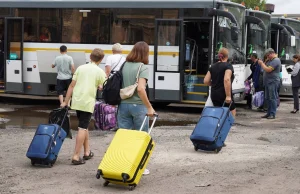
point(254, 76)
point(220, 77)
point(295, 75)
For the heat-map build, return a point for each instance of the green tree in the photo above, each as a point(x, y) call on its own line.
point(253, 3)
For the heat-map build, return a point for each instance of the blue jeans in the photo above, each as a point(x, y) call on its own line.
point(271, 96)
point(131, 116)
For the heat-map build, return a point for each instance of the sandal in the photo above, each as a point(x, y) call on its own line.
point(89, 156)
point(78, 162)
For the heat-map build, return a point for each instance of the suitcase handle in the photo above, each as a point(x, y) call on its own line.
point(154, 120)
point(145, 160)
point(65, 115)
point(229, 104)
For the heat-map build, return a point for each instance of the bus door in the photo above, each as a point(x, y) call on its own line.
point(167, 68)
point(1, 51)
point(13, 51)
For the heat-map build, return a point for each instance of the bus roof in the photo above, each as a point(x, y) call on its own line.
point(108, 3)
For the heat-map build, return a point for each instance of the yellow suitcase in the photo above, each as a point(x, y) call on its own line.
point(127, 157)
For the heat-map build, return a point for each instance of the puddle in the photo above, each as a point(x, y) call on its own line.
point(30, 118)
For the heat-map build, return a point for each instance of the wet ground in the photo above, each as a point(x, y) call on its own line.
point(261, 156)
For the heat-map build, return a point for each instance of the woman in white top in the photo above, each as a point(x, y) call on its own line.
point(115, 61)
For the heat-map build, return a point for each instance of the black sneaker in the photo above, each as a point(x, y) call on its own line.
point(271, 117)
point(265, 116)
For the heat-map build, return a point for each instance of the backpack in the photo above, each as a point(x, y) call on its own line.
point(112, 87)
point(105, 116)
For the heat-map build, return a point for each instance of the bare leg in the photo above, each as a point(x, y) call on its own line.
point(86, 144)
point(233, 112)
point(81, 135)
point(61, 99)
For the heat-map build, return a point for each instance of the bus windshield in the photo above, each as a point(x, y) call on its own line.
point(224, 35)
point(258, 40)
point(296, 26)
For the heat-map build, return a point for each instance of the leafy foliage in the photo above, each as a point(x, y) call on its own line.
point(253, 4)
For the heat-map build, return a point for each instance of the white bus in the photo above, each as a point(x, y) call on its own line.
point(286, 42)
point(184, 38)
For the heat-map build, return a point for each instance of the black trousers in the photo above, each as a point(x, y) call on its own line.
point(296, 97)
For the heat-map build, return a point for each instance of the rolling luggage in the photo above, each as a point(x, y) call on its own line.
point(212, 129)
point(105, 116)
point(46, 143)
point(127, 157)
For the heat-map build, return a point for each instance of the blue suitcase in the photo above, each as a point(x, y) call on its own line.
point(212, 129)
point(46, 144)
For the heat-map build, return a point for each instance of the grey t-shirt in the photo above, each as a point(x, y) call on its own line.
point(273, 76)
point(63, 64)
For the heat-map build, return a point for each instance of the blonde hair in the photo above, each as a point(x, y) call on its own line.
point(117, 47)
point(224, 51)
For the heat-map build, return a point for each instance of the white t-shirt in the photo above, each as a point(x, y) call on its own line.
point(115, 60)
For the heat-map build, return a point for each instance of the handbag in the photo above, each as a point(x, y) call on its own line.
point(128, 91)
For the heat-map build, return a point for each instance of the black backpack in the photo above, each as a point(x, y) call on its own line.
point(112, 87)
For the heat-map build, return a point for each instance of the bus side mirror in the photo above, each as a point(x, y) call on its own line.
point(234, 34)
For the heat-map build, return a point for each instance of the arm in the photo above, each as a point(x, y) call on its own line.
point(252, 70)
point(108, 66)
point(295, 69)
point(54, 63)
point(207, 79)
point(107, 70)
point(143, 95)
point(266, 68)
point(73, 68)
point(227, 84)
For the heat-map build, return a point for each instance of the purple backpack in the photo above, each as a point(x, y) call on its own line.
point(105, 116)
point(258, 99)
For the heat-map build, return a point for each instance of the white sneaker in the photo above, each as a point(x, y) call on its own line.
point(146, 172)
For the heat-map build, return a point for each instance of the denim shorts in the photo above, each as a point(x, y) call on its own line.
point(131, 116)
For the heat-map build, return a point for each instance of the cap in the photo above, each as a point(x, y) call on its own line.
point(117, 47)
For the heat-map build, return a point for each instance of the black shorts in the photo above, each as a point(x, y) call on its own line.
point(84, 119)
point(62, 85)
point(219, 103)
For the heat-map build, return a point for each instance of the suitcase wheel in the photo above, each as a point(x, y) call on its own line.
point(50, 165)
point(106, 183)
point(195, 148)
point(32, 163)
point(131, 188)
point(98, 175)
point(218, 150)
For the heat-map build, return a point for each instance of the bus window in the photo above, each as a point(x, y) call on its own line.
point(90, 26)
point(40, 25)
point(132, 25)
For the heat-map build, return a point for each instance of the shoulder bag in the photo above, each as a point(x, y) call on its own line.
point(128, 91)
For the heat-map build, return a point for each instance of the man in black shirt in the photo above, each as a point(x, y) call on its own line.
point(253, 67)
point(220, 77)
